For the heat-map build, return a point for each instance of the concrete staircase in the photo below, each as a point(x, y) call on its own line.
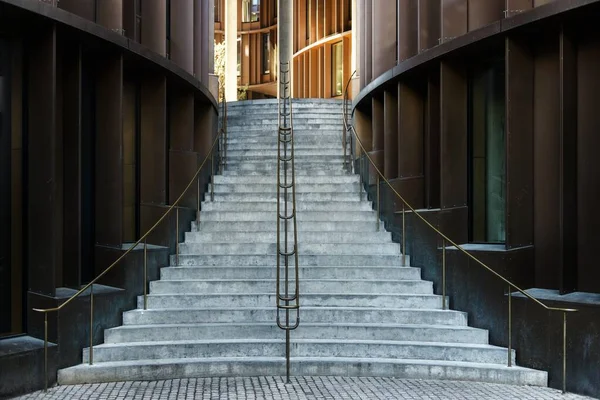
point(363, 313)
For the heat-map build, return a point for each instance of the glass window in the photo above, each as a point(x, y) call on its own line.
point(487, 159)
point(337, 59)
point(266, 54)
point(217, 10)
point(250, 10)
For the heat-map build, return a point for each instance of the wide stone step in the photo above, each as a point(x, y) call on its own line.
point(268, 272)
point(315, 216)
point(266, 167)
point(329, 141)
point(299, 148)
point(271, 237)
point(300, 196)
point(271, 180)
point(300, 188)
point(308, 314)
point(268, 120)
point(323, 127)
point(337, 171)
point(306, 226)
point(271, 154)
point(373, 331)
point(151, 370)
point(463, 352)
point(175, 301)
point(304, 248)
point(308, 286)
point(304, 260)
point(300, 206)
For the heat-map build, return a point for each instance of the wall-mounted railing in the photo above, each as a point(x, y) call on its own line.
point(217, 149)
point(365, 167)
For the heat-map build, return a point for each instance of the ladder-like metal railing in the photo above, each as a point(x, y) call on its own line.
point(288, 290)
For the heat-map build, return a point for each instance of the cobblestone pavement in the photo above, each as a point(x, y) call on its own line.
point(300, 388)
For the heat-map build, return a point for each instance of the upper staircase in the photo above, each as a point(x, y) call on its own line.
point(363, 313)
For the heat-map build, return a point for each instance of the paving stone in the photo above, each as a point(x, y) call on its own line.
point(301, 388)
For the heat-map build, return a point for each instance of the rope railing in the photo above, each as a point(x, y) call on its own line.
point(349, 129)
point(218, 145)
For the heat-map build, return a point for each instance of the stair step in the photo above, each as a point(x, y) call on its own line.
point(270, 180)
point(300, 197)
point(151, 370)
point(304, 259)
point(268, 272)
point(465, 352)
point(300, 206)
point(372, 331)
point(303, 248)
point(306, 226)
point(270, 237)
point(300, 188)
point(241, 299)
point(301, 216)
point(207, 286)
point(309, 314)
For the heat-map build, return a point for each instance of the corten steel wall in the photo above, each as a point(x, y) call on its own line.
point(318, 25)
point(110, 117)
point(413, 114)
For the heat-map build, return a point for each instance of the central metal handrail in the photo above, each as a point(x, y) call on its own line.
point(360, 148)
point(219, 144)
point(289, 301)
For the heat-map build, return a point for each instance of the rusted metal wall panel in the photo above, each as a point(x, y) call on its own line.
point(454, 19)
point(182, 41)
point(519, 142)
point(154, 25)
point(482, 13)
point(429, 23)
point(431, 167)
point(568, 162)
point(153, 153)
point(109, 13)
point(410, 129)
point(390, 140)
point(546, 166)
point(109, 160)
point(453, 136)
point(42, 177)
point(72, 164)
point(588, 172)
point(408, 28)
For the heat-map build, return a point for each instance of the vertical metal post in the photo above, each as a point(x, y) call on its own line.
point(198, 201)
point(360, 181)
point(45, 352)
point(564, 366)
point(92, 324)
point(145, 273)
point(212, 178)
point(403, 235)
point(377, 214)
point(509, 326)
point(177, 236)
point(444, 305)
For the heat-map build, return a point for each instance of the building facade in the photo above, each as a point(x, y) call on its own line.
point(322, 46)
point(482, 114)
point(106, 109)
